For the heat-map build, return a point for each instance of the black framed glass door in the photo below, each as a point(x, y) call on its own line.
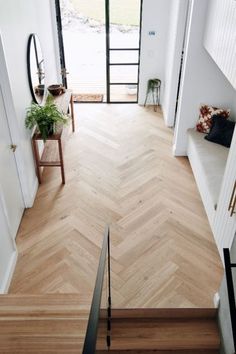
point(123, 36)
point(102, 48)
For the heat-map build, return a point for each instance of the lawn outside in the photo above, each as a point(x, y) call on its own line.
point(122, 12)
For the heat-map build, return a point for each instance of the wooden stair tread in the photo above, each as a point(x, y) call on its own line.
point(44, 304)
point(40, 345)
point(149, 351)
point(49, 323)
point(161, 334)
point(56, 323)
point(161, 313)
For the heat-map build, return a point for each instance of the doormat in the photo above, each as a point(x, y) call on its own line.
point(87, 97)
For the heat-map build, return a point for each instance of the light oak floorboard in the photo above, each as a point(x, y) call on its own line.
point(120, 171)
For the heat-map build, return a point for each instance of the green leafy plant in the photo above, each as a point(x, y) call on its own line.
point(153, 88)
point(46, 118)
point(152, 84)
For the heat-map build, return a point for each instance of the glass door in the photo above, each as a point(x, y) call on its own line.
point(123, 28)
point(81, 33)
point(101, 39)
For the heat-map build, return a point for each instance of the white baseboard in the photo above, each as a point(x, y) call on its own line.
point(216, 300)
point(164, 115)
point(29, 200)
point(178, 152)
point(9, 273)
point(166, 120)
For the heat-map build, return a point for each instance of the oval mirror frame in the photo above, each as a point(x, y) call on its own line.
point(35, 69)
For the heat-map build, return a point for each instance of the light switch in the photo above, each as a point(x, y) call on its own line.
point(152, 33)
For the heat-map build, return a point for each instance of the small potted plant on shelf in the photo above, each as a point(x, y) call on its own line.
point(47, 118)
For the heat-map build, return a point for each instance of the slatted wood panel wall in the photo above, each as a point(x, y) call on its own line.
point(220, 36)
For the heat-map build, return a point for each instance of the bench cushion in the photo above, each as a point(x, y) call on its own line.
point(211, 161)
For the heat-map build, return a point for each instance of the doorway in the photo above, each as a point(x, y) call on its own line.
point(10, 188)
point(100, 46)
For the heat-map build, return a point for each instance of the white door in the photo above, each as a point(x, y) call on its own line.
point(10, 188)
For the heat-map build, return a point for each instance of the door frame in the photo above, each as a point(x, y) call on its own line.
point(58, 31)
point(13, 125)
point(108, 49)
point(60, 43)
point(172, 90)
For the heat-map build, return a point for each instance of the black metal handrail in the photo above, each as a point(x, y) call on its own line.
point(231, 295)
point(92, 327)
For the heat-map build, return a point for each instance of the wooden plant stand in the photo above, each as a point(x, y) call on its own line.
point(49, 157)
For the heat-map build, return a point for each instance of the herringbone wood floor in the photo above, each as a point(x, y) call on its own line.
point(120, 170)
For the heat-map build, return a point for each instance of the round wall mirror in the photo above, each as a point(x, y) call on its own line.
point(36, 70)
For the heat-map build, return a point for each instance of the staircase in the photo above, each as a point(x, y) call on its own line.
point(63, 324)
point(52, 324)
point(56, 323)
point(163, 331)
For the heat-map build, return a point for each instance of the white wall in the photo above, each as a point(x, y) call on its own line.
point(18, 19)
point(8, 253)
point(153, 48)
point(178, 17)
point(203, 82)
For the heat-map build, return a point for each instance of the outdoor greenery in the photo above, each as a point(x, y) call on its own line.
point(121, 11)
point(46, 118)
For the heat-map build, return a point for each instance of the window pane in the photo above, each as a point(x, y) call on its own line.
point(123, 93)
point(85, 46)
point(124, 40)
point(124, 74)
point(124, 23)
point(126, 56)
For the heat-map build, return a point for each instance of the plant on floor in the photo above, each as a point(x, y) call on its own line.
point(153, 84)
point(153, 87)
point(47, 118)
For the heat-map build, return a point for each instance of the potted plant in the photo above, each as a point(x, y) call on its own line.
point(153, 84)
point(46, 118)
point(153, 88)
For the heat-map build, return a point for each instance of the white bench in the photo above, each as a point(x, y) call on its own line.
point(208, 161)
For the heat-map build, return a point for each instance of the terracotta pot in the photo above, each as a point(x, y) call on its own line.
point(39, 90)
point(56, 89)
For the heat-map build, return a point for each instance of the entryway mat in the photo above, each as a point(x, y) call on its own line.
point(87, 97)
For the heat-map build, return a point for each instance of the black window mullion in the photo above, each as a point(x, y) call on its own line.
point(123, 64)
point(124, 49)
point(123, 83)
point(107, 20)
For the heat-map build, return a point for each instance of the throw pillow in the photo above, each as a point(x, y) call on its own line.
point(221, 131)
point(205, 117)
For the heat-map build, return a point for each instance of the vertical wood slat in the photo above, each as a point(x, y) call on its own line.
point(220, 36)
